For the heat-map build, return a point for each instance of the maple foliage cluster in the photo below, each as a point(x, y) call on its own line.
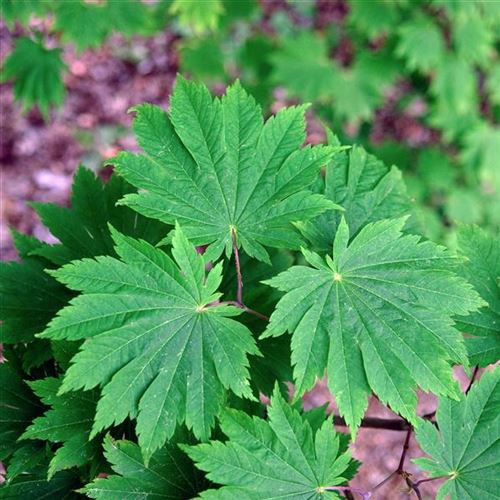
point(219, 263)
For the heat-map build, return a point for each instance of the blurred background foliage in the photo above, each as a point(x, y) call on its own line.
point(416, 82)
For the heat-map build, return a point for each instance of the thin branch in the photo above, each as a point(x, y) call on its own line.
point(399, 471)
point(389, 424)
point(237, 304)
point(432, 414)
point(386, 480)
point(428, 480)
point(414, 488)
point(365, 495)
point(349, 495)
point(255, 313)
point(472, 379)
point(239, 292)
point(406, 446)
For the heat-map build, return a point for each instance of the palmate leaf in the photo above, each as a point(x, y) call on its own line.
point(421, 44)
point(482, 270)
point(161, 353)
point(303, 67)
point(214, 166)
point(34, 484)
point(473, 37)
point(169, 474)
point(455, 88)
point(374, 18)
point(26, 457)
point(29, 299)
point(467, 445)
point(37, 74)
point(376, 317)
point(69, 421)
point(366, 189)
point(88, 24)
point(18, 407)
point(482, 147)
point(203, 59)
point(198, 16)
point(279, 458)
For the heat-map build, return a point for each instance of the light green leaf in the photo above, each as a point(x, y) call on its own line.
point(467, 445)
point(421, 44)
point(169, 474)
point(69, 421)
point(482, 270)
point(37, 74)
point(303, 67)
point(374, 18)
point(198, 16)
point(383, 307)
point(473, 37)
point(279, 458)
point(214, 166)
point(364, 187)
point(481, 152)
point(455, 89)
point(161, 351)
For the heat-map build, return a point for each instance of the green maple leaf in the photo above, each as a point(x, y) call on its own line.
point(69, 421)
point(482, 270)
point(87, 24)
point(374, 18)
point(279, 458)
point(82, 23)
point(20, 10)
point(421, 44)
point(198, 16)
point(382, 306)
point(302, 65)
point(355, 94)
point(154, 344)
point(203, 59)
point(37, 74)
point(18, 407)
point(366, 189)
point(34, 484)
point(83, 229)
point(214, 166)
point(473, 37)
point(26, 457)
point(455, 89)
point(169, 474)
point(466, 447)
point(481, 150)
point(29, 299)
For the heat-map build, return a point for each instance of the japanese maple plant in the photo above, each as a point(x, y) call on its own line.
point(228, 265)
